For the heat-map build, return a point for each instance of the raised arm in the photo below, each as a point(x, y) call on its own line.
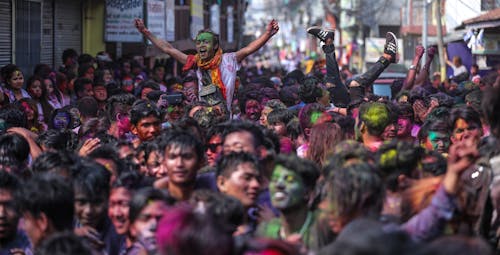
point(423, 76)
point(448, 62)
point(161, 44)
point(271, 29)
point(412, 72)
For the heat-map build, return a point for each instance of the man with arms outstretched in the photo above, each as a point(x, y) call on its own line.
point(216, 71)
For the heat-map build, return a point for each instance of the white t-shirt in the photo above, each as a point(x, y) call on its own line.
point(459, 70)
point(228, 68)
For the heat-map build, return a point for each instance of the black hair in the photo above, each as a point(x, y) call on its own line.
point(491, 108)
point(440, 126)
point(119, 104)
point(306, 169)
point(309, 91)
point(130, 180)
point(62, 244)
point(406, 111)
point(11, 183)
point(398, 157)
point(293, 128)
point(245, 126)
point(280, 115)
point(294, 77)
point(87, 106)
point(106, 151)
point(367, 236)
point(356, 191)
point(13, 116)
point(289, 95)
point(59, 140)
point(68, 53)
point(142, 109)
point(7, 71)
point(191, 126)
point(14, 151)
point(79, 84)
point(229, 163)
point(215, 130)
point(59, 162)
point(347, 152)
point(458, 245)
point(149, 84)
point(184, 140)
point(468, 114)
point(85, 58)
point(91, 179)
point(219, 206)
point(83, 68)
point(143, 197)
point(51, 195)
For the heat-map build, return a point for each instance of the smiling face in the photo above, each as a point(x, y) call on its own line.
point(90, 211)
point(286, 188)
point(205, 46)
point(181, 164)
point(243, 184)
point(17, 80)
point(118, 209)
point(252, 110)
point(404, 127)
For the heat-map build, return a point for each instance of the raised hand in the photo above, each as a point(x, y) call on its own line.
point(462, 155)
point(273, 27)
point(139, 24)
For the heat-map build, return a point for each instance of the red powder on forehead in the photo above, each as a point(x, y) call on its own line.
point(26, 105)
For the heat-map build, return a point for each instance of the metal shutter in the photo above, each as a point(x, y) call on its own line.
point(5, 32)
point(28, 35)
point(68, 27)
point(47, 54)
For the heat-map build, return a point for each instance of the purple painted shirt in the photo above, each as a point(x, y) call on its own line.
point(430, 222)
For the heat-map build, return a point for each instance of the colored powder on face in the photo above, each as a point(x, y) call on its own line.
point(205, 36)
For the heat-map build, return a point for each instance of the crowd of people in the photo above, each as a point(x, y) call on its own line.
point(110, 157)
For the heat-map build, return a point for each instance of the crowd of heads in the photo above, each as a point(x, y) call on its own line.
point(113, 157)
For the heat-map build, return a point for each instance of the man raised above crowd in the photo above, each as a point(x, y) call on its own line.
point(216, 71)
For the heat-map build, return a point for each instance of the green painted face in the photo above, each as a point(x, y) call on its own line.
point(205, 46)
point(438, 141)
point(286, 188)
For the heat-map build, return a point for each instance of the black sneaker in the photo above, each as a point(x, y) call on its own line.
point(391, 46)
point(322, 33)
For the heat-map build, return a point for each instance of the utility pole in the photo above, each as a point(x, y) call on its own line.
point(424, 30)
point(442, 63)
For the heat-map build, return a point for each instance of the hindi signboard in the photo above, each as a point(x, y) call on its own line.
point(120, 15)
